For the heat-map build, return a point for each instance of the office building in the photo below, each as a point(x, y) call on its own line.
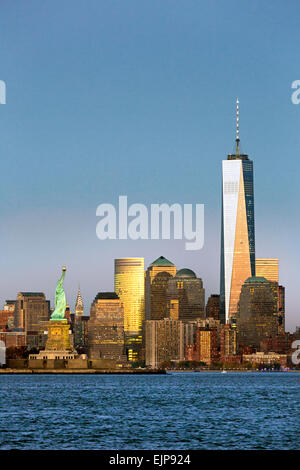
point(237, 229)
point(228, 343)
point(14, 339)
point(78, 322)
point(268, 268)
point(106, 338)
point(185, 296)
point(164, 341)
point(130, 288)
point(281, 310)
point(205, 348)
point(156, 282)
point(31, 310)
point(257, 318)
point(213, 307)
point(6, 319)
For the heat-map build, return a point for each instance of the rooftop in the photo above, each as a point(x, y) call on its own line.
point(256, 279)
point(33, 294)
point(185, 272)
point(106, 296)
point(161, 261)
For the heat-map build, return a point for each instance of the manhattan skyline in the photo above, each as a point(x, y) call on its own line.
point(152, 119)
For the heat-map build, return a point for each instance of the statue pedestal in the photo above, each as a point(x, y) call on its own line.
point(58, 336)
point(58, 344)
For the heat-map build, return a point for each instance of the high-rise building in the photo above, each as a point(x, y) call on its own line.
point(213, 307)
point(238, 236)
point(257, 318)
point(32, 310)
point(268, 268)
point(281, 309)
point(164, 341)
point(156, 282)
point(106, 328)
point(206, 345)
point(228, 342)
point(185, 296)
point(130, 287)
point(68, 313)
point(79, 310)
point(78, 322)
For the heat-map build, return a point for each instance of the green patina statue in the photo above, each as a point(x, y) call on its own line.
point(60, 299)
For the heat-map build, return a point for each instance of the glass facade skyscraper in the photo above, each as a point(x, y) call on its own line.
point(130, 287)
point(237, 231)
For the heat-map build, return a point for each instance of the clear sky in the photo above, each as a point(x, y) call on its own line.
point(137, 98)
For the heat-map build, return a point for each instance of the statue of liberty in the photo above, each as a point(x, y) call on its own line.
point(60, 299)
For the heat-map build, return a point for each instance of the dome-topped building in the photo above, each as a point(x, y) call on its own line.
point(186, 296)
point(185, 273)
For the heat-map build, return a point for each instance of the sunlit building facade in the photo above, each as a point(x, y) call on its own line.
point(130, 287)
point(206, 345)
point(268, 268)
point(238, 233)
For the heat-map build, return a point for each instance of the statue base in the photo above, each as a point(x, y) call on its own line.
point(54, 355)
point(58, 336)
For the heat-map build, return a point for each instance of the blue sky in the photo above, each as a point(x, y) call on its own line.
point(137, 97)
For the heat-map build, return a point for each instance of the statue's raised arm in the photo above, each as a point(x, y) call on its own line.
point(60, 299)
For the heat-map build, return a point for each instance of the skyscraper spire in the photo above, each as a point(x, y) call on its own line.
point(237, 128)
point(79, 304)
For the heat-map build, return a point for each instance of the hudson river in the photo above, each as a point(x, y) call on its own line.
point(204, 410)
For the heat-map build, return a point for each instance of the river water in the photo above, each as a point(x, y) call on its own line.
point(183, 410)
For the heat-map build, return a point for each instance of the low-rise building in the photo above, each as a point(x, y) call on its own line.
point(13, 338)
point(261, 358)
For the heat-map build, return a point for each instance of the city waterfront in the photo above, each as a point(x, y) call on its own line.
point(207, 410)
